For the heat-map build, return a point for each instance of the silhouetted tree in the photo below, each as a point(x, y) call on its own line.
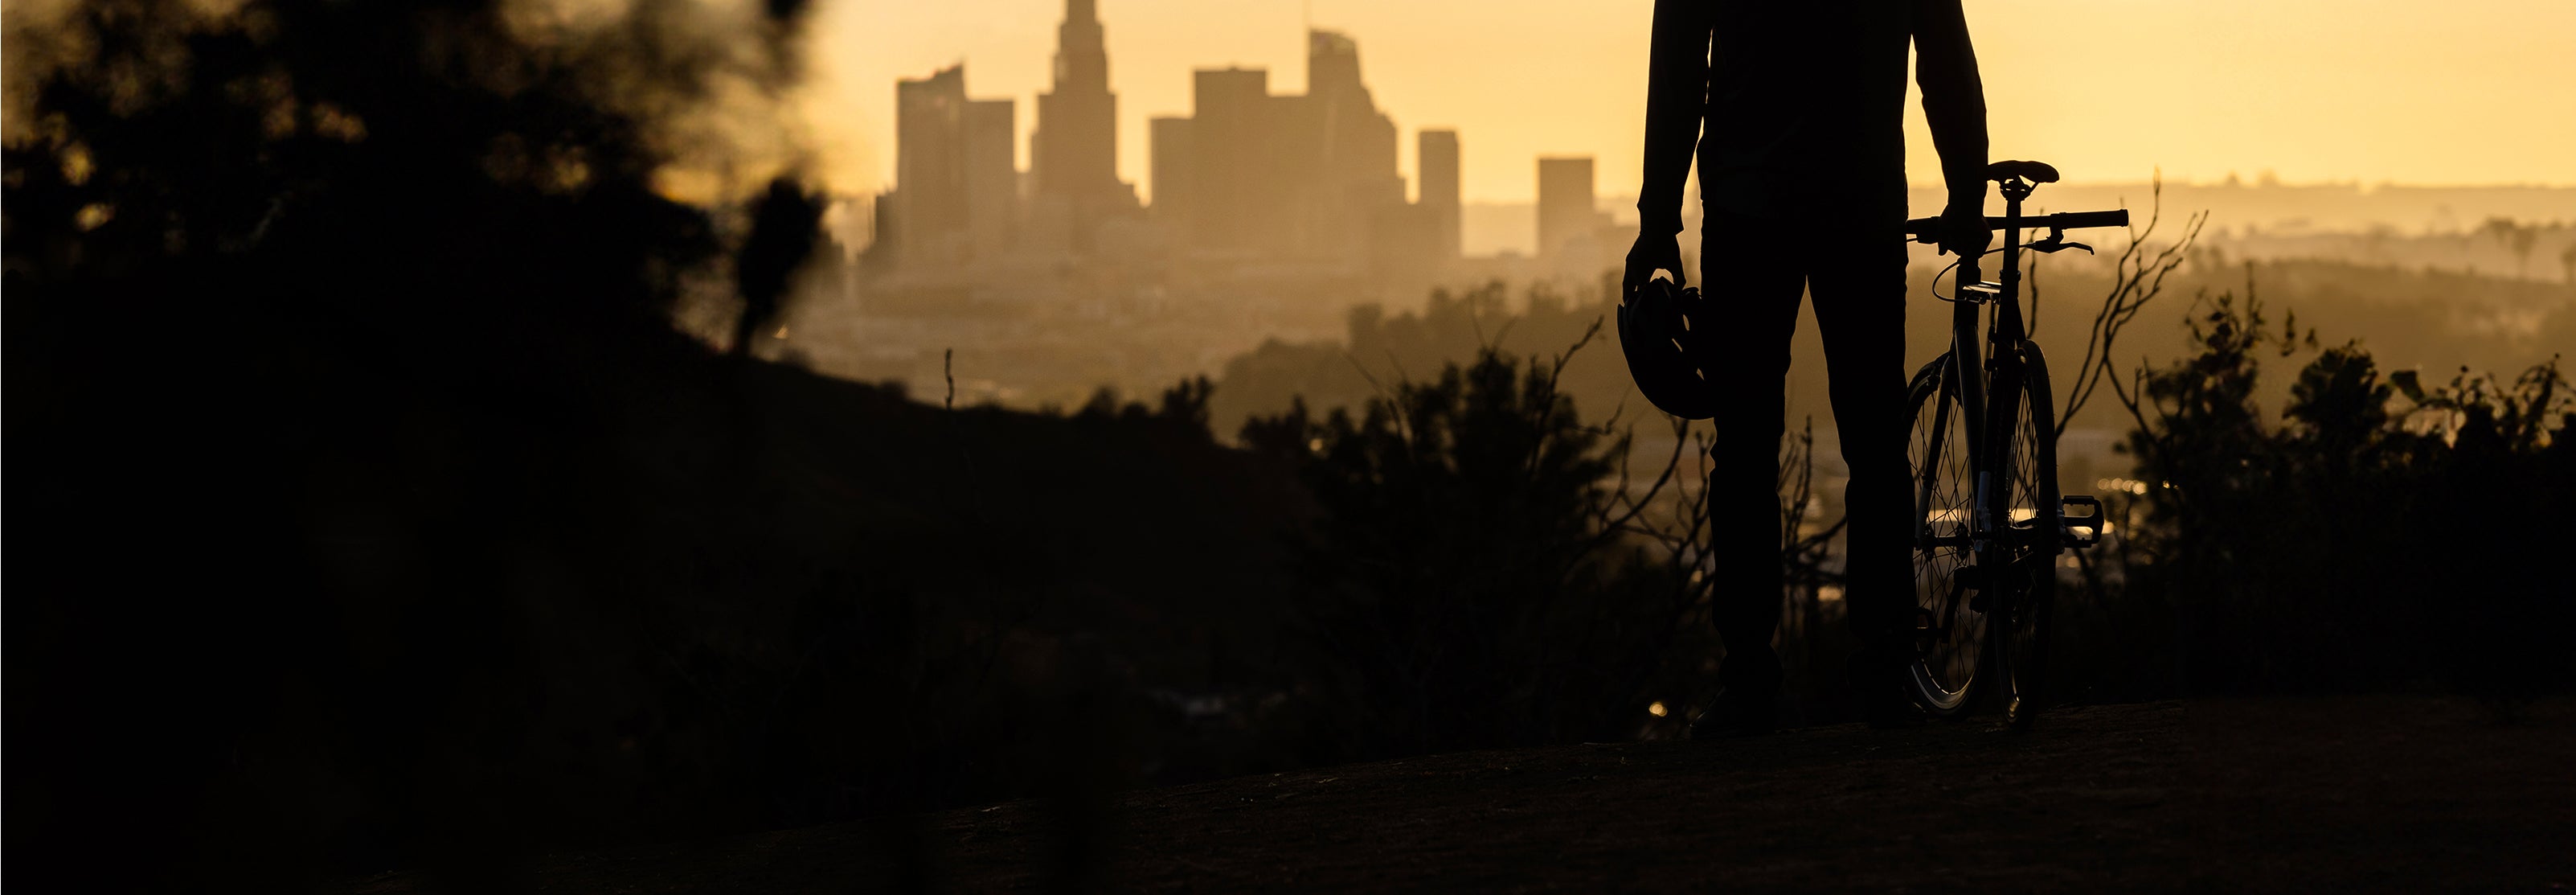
point(786, 223)
point(1468, 583)
point(2384, 533)
point(2138, 278)
point(2515, 236)
point(334, 327)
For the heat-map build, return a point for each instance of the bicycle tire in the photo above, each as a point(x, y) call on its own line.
point(2018, 642)
point(1949, 631)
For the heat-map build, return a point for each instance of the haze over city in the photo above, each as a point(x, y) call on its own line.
point(2366, 90)
point(1287, 445)
point(1172, 172)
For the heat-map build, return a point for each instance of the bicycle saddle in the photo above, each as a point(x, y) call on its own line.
point(2035, 172)
point(1669, 337)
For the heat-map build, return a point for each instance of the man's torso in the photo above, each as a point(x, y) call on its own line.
point(1806, 103)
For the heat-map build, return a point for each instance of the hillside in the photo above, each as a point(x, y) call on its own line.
point(2382, 793)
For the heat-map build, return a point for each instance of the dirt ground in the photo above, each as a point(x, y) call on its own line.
point(2372, 794)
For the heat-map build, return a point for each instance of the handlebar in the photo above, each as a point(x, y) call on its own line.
point(1927, 230)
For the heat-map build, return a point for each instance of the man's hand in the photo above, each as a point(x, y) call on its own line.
point(1963, 231)
point(1653, 252)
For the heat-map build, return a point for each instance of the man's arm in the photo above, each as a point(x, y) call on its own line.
point(1676, 99)
point(1954, 103)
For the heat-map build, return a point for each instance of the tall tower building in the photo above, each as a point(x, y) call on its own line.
point(956, 190)
point(991, 133)
point(1309, 176)
point(1174, 151)
point(1437, 158)
point(1074, 153)
point(1566, 210)
point(929, 205)
point(1356, 167)
point(1235, 190)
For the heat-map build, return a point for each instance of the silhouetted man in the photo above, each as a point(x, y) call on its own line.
point(1802, 184)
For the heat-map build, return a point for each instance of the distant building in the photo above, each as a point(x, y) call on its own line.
point(928, 208)
point(1357, 168)
point(1567, 211)
point(1307, 176)
point(1073, 155)
point(1230, 163)
point(955, 195)
point(1437, 159)
point(992, 175)
point(1173, 149)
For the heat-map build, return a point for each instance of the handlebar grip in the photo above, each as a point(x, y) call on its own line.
point(2071, 220)
point(1929, 229)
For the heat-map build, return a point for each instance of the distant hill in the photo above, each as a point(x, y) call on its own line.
point(2410, 317)
point(1494, 227)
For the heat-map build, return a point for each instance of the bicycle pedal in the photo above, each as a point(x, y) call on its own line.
point(2080, 530)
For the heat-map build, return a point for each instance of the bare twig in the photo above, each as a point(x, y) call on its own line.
point(1636, 505)
point(2138, 278)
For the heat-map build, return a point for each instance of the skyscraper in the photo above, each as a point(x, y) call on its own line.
point(1566, 209)
point(1174, 147)
point(1356, 168)
point(930, 206)
point(992, 174)
point(956, 191)
point(1074, 153)
point(1235, 191)
point(1285, 176)
point(1437, 159)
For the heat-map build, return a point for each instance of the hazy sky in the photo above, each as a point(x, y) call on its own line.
point(2453, 92)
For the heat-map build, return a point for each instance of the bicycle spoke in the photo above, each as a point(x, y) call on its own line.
point(1951, 625)
point(2033, 548)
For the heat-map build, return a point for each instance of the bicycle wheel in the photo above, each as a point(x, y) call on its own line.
point(2026, 556)
point(1949, 625)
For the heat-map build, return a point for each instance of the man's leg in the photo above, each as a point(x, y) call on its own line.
point(1860, 311)
point(1757, 292)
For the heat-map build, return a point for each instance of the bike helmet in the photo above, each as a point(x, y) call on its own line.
point(1670, 337)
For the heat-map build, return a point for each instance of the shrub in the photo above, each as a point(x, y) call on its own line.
point(1468, 583)
point(2380, 534)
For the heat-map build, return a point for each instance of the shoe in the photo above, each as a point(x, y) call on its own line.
point(1735, 716)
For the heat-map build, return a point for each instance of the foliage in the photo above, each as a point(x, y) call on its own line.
point(1466, 583)
point(786, 222)
point(1184, 406)
point(2138, 278)
point(2381, 534)
point(389, 523)
point(1380, 346)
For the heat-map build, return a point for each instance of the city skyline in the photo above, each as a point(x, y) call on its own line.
point(2462, 111)
point(1252, 175)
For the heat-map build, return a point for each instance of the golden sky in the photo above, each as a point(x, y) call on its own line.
point(2411, 91)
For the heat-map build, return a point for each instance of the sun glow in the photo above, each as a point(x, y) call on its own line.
point(2369, 90)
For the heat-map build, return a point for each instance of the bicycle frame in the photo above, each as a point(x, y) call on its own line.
point(1990, 442)
point(2002, 385)
point(1986, 382)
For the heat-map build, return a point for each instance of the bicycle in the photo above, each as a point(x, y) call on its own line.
point(1989, 521)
